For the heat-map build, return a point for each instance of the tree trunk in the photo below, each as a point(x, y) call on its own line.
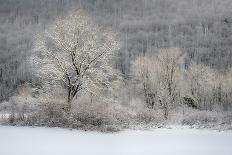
point(69, 100)
point(165, 112)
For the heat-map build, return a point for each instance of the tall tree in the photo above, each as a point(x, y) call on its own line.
point(159, 76)
point(76, 54)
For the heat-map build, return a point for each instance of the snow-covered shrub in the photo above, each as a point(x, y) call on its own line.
point(89, 115)
point(100, 116)
point(149, 116)
point(201, 119)
point(226, 121)
point(19, 106)
point(48, 114)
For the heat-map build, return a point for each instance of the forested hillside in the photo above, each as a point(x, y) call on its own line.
point(201, 28)
point(193, 37)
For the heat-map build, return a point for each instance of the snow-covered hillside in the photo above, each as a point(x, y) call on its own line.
point(53, 141)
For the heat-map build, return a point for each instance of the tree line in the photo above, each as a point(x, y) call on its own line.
point(145, 59)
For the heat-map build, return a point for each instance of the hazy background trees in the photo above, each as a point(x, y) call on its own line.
point(202, 29)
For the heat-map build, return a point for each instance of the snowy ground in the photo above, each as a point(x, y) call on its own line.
point(53, 141)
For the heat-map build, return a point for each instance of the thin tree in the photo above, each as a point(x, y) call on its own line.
point(159, 75)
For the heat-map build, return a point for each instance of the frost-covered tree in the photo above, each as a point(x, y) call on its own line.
point(142, 70)
point(76, 54)
point(159, 76)
point(169, 61)
point(201, 81)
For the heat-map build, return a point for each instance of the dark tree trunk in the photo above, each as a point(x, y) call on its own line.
point(70, 97)
point(165, 112)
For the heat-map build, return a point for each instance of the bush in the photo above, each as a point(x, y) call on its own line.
point(100, 116)
point(103, 116)
point(50, 114)
point(149, 116)
point(201, 119)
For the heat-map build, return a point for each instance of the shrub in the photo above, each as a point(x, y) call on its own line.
point(100, 116)
point(50, 114)
point(201, 119)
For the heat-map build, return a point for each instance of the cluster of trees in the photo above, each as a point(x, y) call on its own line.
point(166, 83)
point(159, 77)
point(202, 29)
point(71, 63)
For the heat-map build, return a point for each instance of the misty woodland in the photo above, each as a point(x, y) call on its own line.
point(108, 65)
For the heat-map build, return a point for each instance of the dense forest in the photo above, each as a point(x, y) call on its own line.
point(172, 56)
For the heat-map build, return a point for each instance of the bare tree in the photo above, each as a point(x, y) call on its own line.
point(142, 70)
point(158, 76)
point(76, 54)
point(201, 81)
point(170, 62)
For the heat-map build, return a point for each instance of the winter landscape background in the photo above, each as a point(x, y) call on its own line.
point(114, 65)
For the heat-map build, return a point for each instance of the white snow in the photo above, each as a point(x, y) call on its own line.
point(54, 141)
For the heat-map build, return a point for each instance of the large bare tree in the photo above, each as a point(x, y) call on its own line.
point(76, 54)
